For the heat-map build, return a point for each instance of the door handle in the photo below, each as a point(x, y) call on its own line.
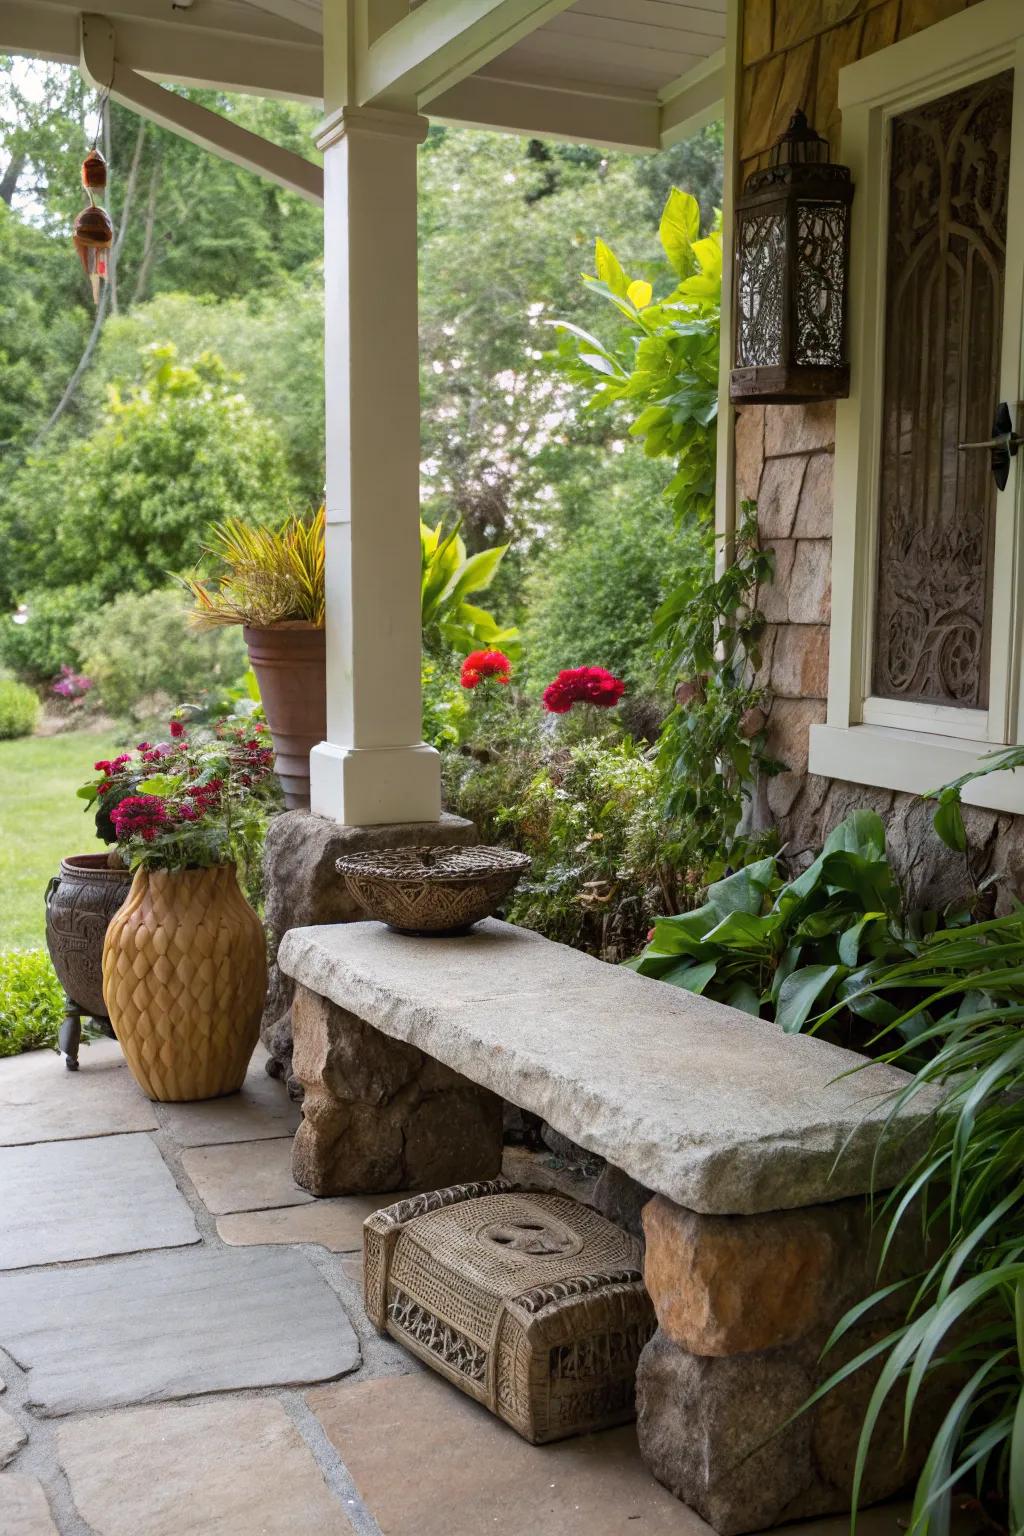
point(1001, 447)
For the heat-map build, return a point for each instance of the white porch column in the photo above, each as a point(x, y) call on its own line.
point(373, 767)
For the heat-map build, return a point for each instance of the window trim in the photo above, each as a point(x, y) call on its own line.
point(884, 742)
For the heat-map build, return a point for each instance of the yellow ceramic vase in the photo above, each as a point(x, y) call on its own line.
point(184, 979)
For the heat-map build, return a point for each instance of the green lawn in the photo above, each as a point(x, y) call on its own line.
point(40, 822)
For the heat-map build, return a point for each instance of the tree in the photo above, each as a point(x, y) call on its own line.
point(128, 504)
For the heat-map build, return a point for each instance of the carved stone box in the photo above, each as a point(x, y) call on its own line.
point(531, 1303)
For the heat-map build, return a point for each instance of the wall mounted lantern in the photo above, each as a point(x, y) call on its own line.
point(791, 269)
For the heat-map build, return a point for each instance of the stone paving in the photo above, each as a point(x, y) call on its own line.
point(183, 1349)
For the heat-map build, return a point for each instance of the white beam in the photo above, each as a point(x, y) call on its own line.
point(102, 67)
point(302, 12)
point(579, 113)
point(220, 43)
point(442, 42)
point(694, 100)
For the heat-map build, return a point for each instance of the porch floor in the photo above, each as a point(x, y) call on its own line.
point(183, 1347)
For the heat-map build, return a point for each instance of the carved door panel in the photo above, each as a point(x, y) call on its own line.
point(944, 375)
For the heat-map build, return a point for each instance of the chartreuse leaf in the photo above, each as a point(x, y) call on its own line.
point(640, 293)
point(679, 228)
point(609, 269)
point(948, 821)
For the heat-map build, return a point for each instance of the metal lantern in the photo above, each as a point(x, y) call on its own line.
point(791, 269)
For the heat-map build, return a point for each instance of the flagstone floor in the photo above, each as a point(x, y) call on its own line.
point(183, 1350)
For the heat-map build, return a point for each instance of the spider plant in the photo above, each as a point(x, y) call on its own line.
point(963, 1031)
point(261, 576)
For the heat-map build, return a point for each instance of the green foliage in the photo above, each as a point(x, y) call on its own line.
point(142, 653)
point(448, 579)
point(19, 709)
point(712, 744)
point(128, 504)
point(593, 586)
point(961, 1002)
point(585, 809)
point(663, 364)
point(270, 338)
point(31, 1001)
point(37, 648)
point(444, 705)
point(788, 950)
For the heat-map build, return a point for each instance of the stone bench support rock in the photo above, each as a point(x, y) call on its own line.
point(758, 1149)
point(378, 1115)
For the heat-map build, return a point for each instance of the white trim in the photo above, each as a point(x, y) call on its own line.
point(571, 110)
point(694, 100)
point(725, 467)
point(944, 57)
point(911, 761)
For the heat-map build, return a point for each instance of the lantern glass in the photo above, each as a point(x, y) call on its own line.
point(791, 265)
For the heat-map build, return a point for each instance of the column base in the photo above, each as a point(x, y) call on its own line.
point(371, 786)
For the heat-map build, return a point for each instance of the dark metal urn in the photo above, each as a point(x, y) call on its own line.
point(80, 902)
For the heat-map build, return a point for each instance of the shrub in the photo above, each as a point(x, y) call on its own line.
point(141, 650)
point(31, 1001)
point(19, 709)
point(37, 648)
point(592, 592)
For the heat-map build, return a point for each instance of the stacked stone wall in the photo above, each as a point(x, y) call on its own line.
point(793, 51)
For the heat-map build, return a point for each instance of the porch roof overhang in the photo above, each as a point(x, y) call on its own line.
point(636, 74)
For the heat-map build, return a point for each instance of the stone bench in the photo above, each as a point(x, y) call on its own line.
point(757, 1148)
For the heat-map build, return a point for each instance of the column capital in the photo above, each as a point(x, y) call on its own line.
point(348, 121)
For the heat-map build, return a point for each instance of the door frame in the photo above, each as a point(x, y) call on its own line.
point(887, 741)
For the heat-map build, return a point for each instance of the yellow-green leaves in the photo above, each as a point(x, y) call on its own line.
point(448, 578)
point(679, 228)
point(639, 293)
point(609, 269)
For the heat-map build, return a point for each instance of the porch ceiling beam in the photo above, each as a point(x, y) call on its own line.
point(102, 65)
point(694, 100)
point(439, 44)
point(277, 58)
point(580, 113)
point(302, 12)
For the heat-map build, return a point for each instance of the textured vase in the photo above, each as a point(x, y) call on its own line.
point(184, 979)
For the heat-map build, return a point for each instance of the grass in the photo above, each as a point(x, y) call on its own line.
point(40, 822)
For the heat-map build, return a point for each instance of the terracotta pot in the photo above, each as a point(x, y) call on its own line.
point(80, 902)
point(184, 978)
point(290, 662)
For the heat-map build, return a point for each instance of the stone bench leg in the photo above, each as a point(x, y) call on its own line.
point(744, 1306)
point(379, 1115)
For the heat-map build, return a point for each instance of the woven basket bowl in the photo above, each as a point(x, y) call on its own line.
point(432, 890)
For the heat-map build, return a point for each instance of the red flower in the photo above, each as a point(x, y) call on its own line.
point(139, 816)
point(144, 746)
point(480, 665)
point(102, 766)
point(582, 685)
point(176, 728)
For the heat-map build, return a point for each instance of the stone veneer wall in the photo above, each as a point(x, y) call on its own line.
point(792, 53)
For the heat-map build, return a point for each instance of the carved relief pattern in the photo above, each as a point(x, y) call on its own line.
point(821, 283)
point(458, 1352)
point(762, 267)
point(946, 265)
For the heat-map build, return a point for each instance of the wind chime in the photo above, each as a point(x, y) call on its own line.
point(93, 232)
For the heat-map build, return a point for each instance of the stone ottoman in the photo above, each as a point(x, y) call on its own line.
point(530, 1303)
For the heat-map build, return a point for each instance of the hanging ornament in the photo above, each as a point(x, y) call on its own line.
point(93, 232)
point(94, 172)
point(93, 237)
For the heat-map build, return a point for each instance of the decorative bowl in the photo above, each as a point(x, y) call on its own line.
point(432, 891)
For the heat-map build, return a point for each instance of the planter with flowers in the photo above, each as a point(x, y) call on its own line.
point(184, 959)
